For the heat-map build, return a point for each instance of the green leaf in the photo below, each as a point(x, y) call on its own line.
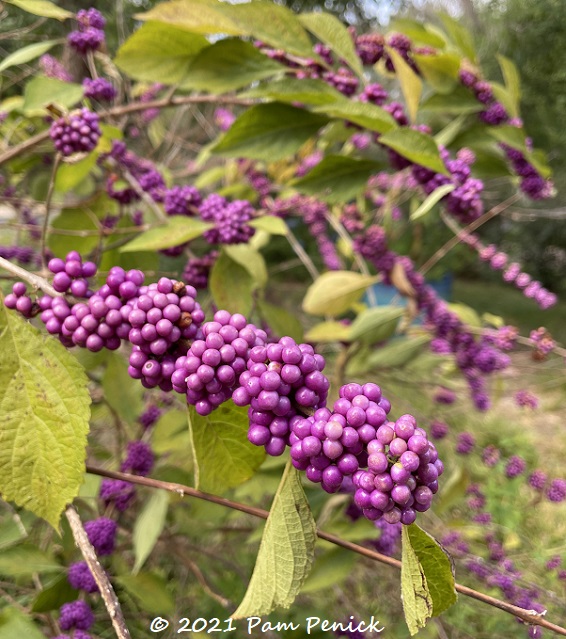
point(228, 65)
point(270, 224)
point(411, 84)
point(269, 132)
point(329, 30)
point(280, 321)
point(13, 623)
point(41, 91)
point(334, 292)
point(437, 567)
point(440, 70)
point(223, 456)
point(337, 178)
point(418, 147)
point(511, 77)
point(459, 101)
point(231, 285)
point(329, 570)
point(25, 54)
point(447, 135)
point(459, 35)
point(176, 230)
point(431, 200)
point(286, 552)
point(251, 260)
point(375, 324)
point(330, 331)
point(149, 525)
point(42, 8)
point(76, 219)
point(397, 353)
point(25, 560)
point(44, 419)
point(150, 590)
point(54, 595)
point(466, 314)
point(270, 23)
point(73, 174)
point(418, 32)
point(368, 116)
point(123, 394)
point(503, 95)
point(416, 597)
point(159, 53)
point(307, 91)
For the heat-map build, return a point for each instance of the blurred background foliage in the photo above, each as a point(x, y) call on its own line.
point(532, 34)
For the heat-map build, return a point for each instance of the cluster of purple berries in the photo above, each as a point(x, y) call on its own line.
point(164, 317)
point(210, 370)
point(393, 466)
point(77, 132)
point(53, 68)
point(90, 34)
point(99, 89)
point(197, 269)
point(230, 220)
point(281, 380)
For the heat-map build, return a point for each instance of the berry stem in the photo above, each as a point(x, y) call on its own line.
point(106, 590)
point(527, 616)
point(49, 197)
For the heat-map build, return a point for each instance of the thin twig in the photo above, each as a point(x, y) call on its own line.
point(529, 617)
point(460, 234)
point(35, 280)
point(302, 254)
point(106, 590)
point(134, 107)
point(49, 197)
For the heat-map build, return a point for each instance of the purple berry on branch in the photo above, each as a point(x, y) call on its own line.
point(77, 132)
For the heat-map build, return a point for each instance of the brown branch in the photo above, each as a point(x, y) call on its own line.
point(106, 590)
point(460, 234)
point(35, 280)
point(134, 107)
point(529, 617)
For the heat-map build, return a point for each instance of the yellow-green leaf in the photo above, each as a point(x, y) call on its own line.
point(431, 200)
point(411, 84)
point(176, 230)
point(333, 293)
point(159, 53)
point(375, 324)
point(42, 8)
point(269, 132)
point(228, 65)
point(149, 525)
point(437, 567)
point(330, 331)
point(223, 456)
point(270, 224)
point(286, 551)
point(416, 597)
point(329, 30)
point(266, 21)
point(44, 419)
point(418, 147)
point(25, 54)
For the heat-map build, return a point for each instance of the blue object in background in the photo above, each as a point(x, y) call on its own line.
point(388, 295)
